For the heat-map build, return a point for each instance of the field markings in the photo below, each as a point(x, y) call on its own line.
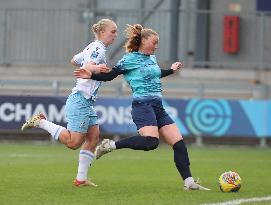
point(240, 201)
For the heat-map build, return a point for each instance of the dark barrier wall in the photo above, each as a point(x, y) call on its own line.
point(203, 117)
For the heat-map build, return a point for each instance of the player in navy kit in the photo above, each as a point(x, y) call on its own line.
point(82, 126)
point(141, 71)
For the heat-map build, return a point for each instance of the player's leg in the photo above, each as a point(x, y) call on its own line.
point(78, 111)
point(71, 139)
point(86, 156)
point(172, 136)
point(144, 117)
point(147, 139)
point(39, 121)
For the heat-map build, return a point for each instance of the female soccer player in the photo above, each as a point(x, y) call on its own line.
point(140, 70)
point(82, 127)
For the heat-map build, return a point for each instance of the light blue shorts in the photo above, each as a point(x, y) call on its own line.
point(80, 113)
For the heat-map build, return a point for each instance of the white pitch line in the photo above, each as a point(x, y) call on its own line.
point(240, 201)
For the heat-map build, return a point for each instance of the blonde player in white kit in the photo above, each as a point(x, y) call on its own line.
point(82, 126)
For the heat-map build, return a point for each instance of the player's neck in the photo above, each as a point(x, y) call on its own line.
point(105, 44)
point(145, 52)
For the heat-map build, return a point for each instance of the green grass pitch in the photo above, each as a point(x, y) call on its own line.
point(43, 173)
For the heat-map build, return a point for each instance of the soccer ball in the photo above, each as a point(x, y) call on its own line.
point(229, 182)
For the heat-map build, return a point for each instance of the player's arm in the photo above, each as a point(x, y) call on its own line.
point(166, 72)
point(83, 73)
point(107, 76)
point(90, 69)
point(77, 60)
point(94, 68)
point(93, 59)
point(174, 68)
point(90, 66)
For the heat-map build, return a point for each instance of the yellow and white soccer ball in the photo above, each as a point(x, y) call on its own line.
point(229, 182)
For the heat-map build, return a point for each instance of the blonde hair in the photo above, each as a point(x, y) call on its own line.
point(134, 34)
point(100, 26)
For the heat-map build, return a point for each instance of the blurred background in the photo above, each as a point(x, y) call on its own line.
point(222, 96)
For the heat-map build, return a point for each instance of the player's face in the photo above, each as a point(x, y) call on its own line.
point(109, 34)
point(150, 44)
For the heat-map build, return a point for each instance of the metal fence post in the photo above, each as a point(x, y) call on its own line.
point(198, 141)
point(200, 92)
point(88, 17)
point(174, 29)
point(55, 86)
point(262, 142)
point(261, 41)
point(3, 29)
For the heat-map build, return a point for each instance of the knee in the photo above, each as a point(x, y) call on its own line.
point(92, 138)
point(73, 145)
point(152, 143)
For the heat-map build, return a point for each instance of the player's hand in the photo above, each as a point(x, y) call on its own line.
point(82, 73)
point(103, 68)
point(176, 66)
point(93, 68)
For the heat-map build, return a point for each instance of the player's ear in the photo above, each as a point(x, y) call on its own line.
point(102, 31)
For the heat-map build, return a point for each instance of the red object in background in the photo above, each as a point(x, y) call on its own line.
point(231, 34)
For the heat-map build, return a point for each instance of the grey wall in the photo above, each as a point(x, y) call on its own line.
point(254, 30)
point(42, 3)
point(53, 30)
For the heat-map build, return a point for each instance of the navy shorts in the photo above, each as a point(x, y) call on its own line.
point(149, 112)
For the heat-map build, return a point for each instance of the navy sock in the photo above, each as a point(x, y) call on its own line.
point(138, 143)
point(181, 159)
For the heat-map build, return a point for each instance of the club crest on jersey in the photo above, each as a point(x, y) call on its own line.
point(94, 54)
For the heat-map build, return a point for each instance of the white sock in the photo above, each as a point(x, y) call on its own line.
point(112, 144)
point(85, 159)
point(188, 180)
point(52, 128)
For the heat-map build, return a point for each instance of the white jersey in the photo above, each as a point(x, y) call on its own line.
point(94, 52)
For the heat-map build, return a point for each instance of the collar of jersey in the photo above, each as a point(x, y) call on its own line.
point(101, 43)
point(142, 54)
